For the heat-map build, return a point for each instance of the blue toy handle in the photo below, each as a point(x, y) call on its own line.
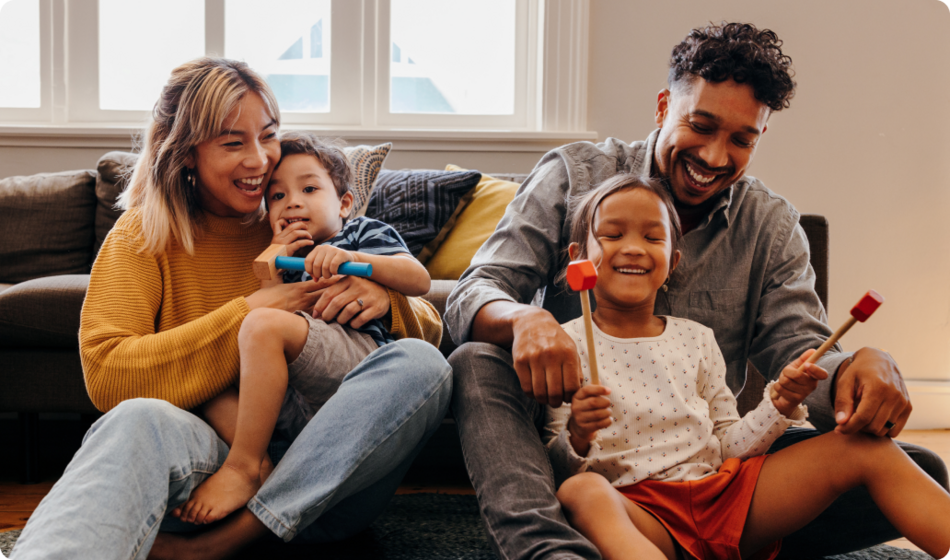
point(364, 270)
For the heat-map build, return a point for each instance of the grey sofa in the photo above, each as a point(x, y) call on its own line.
point(51, 227)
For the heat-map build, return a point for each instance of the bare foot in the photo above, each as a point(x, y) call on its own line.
point(227, 490)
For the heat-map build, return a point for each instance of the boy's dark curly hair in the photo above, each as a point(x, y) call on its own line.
point(738, 51)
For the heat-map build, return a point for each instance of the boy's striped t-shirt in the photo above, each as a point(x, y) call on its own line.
point(363, 235)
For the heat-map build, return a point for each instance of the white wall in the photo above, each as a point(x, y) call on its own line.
point(866, 143)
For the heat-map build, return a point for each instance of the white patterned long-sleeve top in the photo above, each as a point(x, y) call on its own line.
point(673, 416)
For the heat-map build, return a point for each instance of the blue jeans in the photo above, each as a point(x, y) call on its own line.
point(145, 457)
point(499, 425)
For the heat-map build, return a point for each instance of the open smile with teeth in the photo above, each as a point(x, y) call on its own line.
point(631, 270)
point(295, 220)
point(251, 185)
point(696, 177)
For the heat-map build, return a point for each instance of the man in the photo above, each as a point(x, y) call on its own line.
point(745, 273)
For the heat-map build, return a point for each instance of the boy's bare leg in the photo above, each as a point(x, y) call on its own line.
point(618, 527)
point(269, 339)
point(916, 505)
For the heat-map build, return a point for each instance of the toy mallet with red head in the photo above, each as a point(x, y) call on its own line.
point(581, 277)
point(860, 312)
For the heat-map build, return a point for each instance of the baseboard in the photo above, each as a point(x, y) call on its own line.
point(931, 401)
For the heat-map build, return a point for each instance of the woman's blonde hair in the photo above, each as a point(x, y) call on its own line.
point(192, 109)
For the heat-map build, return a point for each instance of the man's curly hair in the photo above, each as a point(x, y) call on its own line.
point(738, 51)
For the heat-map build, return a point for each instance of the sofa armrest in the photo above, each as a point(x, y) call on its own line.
point(437, 296)
point(43, 313)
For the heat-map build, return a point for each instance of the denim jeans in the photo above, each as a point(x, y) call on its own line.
point(499, 427)
point(145, 457)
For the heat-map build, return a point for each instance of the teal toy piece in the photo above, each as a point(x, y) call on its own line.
point(364, 270)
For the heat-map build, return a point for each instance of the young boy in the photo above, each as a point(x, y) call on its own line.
point(308, 200)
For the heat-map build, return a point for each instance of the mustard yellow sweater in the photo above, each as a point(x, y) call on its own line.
point(166, 327)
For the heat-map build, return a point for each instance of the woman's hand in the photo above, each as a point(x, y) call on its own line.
point(340, 301)
point(295, 236)
point(289, 297)
point(590, 412)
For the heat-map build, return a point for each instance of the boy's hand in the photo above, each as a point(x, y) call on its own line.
point(295, 236)
point(324, 260)
point(590, 412)
point(797, 382)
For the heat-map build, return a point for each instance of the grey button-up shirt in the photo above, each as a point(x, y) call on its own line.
point(744, 273)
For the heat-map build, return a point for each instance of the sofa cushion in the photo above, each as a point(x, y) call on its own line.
point(420, 204)
point(366, 162)
point(114, 169)
point(473, 226)
point(43, 312)
point(46, 225)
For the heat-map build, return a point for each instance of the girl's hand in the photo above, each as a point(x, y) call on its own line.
point(295, 236)
point(590, 412)
point(289, 297)
point(340, 301)
point(324, 260)
point(797, 382)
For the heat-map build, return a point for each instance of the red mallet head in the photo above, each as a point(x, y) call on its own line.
point(868, 305)
point(581, 275)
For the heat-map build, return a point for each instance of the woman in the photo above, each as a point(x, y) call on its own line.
point(158, 336)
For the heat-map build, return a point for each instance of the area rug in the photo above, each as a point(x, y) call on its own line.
point(435, 527)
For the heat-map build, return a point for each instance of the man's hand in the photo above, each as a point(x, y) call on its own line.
point(797, 382)
point(870, 395)
point(544, 356)
point(590, 412)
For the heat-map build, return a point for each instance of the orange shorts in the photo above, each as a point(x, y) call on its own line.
point(706, 516)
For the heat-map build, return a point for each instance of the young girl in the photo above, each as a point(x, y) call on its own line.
point(659, 456)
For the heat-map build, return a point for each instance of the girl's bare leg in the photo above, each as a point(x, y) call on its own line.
point(269, 339)
point(801, 481)
point(618, 527)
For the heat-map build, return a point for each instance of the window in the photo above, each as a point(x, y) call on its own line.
point(347, 64)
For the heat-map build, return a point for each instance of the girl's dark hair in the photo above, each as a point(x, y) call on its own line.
point(583, 208)
point(328, 152)
point(737, 51)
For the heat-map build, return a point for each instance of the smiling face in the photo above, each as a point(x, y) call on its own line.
point(302, 190)
point(708, 135)
point(233, 168)
point(630, 243)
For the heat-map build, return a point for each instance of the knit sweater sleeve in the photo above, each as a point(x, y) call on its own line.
point(123, 355)
point(414, 318)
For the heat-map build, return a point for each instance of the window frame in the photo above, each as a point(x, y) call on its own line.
point(550, 89)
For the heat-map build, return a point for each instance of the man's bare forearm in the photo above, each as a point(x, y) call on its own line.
point(493, 323)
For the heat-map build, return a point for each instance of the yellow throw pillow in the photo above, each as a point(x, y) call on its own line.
point(473, 226)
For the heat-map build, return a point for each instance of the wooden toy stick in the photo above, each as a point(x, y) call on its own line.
point(581, 277)
point(860, 312)
point(275, 257)
point(589, 325)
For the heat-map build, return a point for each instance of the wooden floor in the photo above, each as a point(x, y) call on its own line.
point(17, 501)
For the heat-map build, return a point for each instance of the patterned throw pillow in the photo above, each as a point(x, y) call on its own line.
point(366, 162)
point(421, 205)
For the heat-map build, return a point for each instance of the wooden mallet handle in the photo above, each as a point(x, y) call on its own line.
point(581, 277)
point(860, 312)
